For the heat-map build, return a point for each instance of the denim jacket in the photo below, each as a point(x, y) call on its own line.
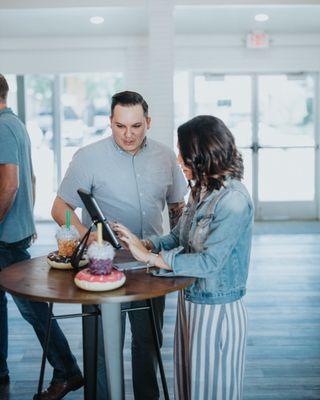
point(214, 246)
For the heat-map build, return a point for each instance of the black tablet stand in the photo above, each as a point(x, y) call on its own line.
point(79, 250)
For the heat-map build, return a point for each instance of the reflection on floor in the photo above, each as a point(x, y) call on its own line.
point(283, 300)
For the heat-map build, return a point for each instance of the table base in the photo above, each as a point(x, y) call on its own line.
point(112, 336)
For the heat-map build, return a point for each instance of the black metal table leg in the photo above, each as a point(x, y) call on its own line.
point(157, 346)
point(90, 353)
point(44, 354)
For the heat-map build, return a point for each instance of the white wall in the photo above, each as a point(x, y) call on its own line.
point(148, 63)
point(228, 53)
point(128, 54)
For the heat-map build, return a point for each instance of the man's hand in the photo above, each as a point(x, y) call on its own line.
point(58, 213)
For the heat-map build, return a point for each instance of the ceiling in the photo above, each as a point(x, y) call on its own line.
point(73, 22)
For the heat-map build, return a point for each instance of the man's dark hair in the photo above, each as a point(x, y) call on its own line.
point(129, 98)
point(208, 147)
point(4, 89)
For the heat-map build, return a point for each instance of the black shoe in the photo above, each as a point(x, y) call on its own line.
point(4, 387)
point(4, 380)
point(57, 390)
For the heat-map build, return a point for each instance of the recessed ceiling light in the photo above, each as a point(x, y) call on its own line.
point(261, 17)
point(96, 20)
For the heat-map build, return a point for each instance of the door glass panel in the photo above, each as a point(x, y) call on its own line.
point(286, 174)
point(181, 102)
point(247, 163)
point(39, 118)
point(228, 98)
point(286, 110)
point(12, 95)
point(85, 110)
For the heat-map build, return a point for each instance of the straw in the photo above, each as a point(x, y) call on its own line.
point(99, 231)
point(68, 218)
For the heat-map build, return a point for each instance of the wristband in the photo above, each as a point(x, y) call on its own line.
point(152, 258)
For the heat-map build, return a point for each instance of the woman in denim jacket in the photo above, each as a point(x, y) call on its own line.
point(212, 243)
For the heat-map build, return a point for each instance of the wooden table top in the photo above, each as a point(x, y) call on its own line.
point(35, 280)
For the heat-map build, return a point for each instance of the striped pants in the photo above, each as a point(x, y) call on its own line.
point(209, 350)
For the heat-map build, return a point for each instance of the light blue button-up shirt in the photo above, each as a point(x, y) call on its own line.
point(131, 189)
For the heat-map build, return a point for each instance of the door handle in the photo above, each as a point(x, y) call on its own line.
point(255, 147)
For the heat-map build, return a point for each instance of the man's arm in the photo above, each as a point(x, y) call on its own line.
point(175, 212)
point(9, 184)
point(58, 213)
point(33, 189)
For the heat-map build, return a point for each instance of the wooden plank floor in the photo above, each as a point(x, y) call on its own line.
point(283, 301)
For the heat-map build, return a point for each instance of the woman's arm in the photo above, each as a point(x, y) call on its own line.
point(166, 242)
point(170, 241)
point(233, 215)
point(138, 248)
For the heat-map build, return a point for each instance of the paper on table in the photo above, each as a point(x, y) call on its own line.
point(130, 266)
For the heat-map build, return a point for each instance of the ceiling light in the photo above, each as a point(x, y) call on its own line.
point(261, 17)
point(96, 20)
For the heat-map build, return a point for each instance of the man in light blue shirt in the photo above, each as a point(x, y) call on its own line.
point(132, 178)
point(17, 193)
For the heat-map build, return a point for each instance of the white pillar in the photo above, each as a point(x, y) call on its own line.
point(136, 75)
point(161, 69)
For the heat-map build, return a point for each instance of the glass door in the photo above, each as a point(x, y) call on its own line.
point(286, 147)
point(272, 119)
point(229, 97)
point(39, 123)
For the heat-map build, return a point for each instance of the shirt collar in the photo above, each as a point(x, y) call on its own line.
point(210, 196)
point(6, 110)
point(120, 150)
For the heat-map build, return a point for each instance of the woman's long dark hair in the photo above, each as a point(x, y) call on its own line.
point(208, 148)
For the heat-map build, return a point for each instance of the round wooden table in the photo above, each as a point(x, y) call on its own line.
point(34, 280)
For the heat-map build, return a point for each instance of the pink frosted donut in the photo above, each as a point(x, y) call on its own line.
point(99, 283)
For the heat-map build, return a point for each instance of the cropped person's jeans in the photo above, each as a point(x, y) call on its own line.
point(36, 313)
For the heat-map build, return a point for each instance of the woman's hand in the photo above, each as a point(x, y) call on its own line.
point(138, 249)
point(135, 245)
point(123, 244)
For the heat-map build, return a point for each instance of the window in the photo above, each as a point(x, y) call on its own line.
point(12, 95)
point(85, 102)
point(63, 113)
point(39, 122)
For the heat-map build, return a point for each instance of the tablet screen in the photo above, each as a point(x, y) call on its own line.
point(96, 215)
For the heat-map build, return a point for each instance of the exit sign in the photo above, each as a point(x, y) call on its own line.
point(257, 40)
